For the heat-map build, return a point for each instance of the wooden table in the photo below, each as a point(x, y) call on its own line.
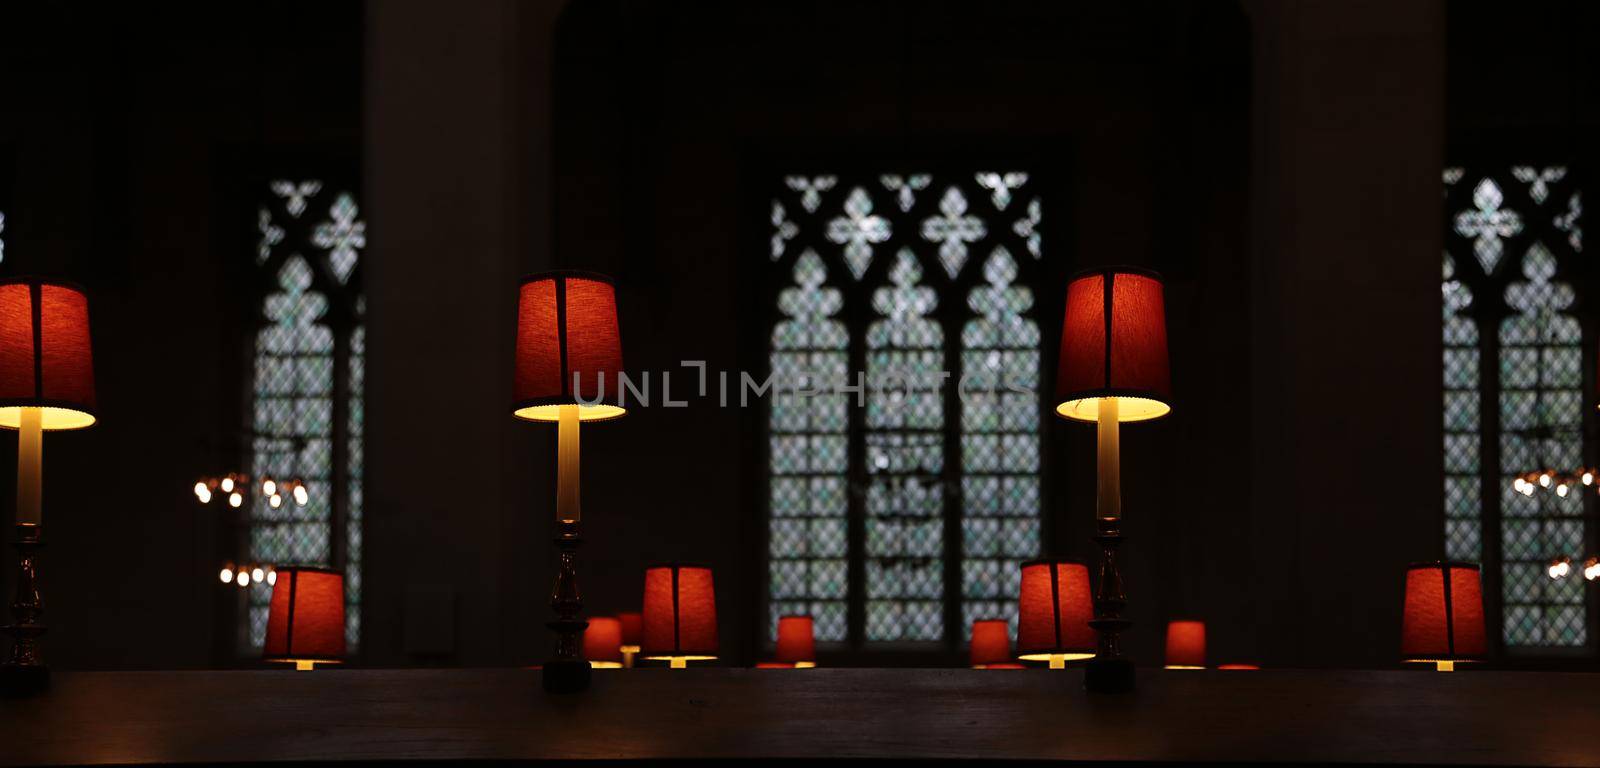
point(1408, 717)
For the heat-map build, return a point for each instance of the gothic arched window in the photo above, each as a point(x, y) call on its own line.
point(899, 511)
point(307, 394)
point(1514, 402)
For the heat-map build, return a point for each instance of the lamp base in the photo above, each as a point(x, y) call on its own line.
point(1113, 675)
point(567, 671)
point(566, 676)
point(24, 672)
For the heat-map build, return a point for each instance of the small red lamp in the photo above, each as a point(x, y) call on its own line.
point(1443, 620)
point(991, 645)
point(1113, 368)
point(305, 620)
point(1186, 645)
point(680, 615)
point(797, 641)
point(568, 345)
point(632, 627)
point(602, 643)
point(1053, 613)
point(46, 384)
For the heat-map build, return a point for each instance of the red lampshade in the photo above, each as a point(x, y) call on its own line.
point(566, 329)
point(1054, 610)
point(632, 629)
point(775, 665)
point(305, 621)
point(1443, 614)
point(602, 642)
point(45, 358)
point(1186, 645)
point(797, 642)
point(1239, 666)
point(1114, 344)
point(991, 643)
point(680, 613)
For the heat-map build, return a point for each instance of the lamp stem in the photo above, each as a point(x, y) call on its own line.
point(30, 463)
point(678, 662)
point(1444, 666)
point(1109, 671)
point(568, 509)
point(304, 665)
point(1108, 499)
point(1058, 661)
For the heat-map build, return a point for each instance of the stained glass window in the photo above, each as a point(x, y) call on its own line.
point(901, 510)
point(1513, 392)
point(307, 393)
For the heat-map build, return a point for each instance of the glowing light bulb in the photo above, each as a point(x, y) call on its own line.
point(272, 577)
point(235, 500)
point(1588, 478)
point(1516, 485)
point(1591, 568)
point(1560, 567)
point(205, 496)
point(227, 574)
point(243, 579)
point(1527, 489)
point(200, 489)
point(257, 575)
point(300, 495)
point(275, 500)
point(1561, 490)
point(1544, 479)
point(269, 488)
point(227, 484)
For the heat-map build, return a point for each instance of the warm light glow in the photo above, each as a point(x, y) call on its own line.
point(227, 485)
point(50, 418)
point(1591, 568)
point(805, 665)
point(1588, 478)
point(1516, 485)
point(235, 500)
point(1238, 666)
point(1182, 666)
point(269, 488)
point(1128, 409)
point(552, 413)
point(205, 496)
point(605, 664)
point(257, 575)
point(304, 665)
point(272, 576)
point(275, 501)
point(1057, 660)
point(227, 575)
point(1560, 567)
point(243, 578)
point(1527, 489)
point(1444, 666)
point(678, 662)
point(201, 490)
point(300, 495)
point(1561, 490)
point(1544, 479)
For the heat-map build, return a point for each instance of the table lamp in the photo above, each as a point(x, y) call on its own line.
point(568, 346)
point(1053, 613)
point(46, 384)
point(305, 620)
point(1443, 619)
point(1113, 368)
point(1186, 645)
point(680, 615)
point(990, 646)
point(797, 642)
point(632, 626)
point(602, 643)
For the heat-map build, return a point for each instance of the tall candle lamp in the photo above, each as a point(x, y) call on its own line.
point(1113, 368)
point(568, 346)
point(46, 384)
